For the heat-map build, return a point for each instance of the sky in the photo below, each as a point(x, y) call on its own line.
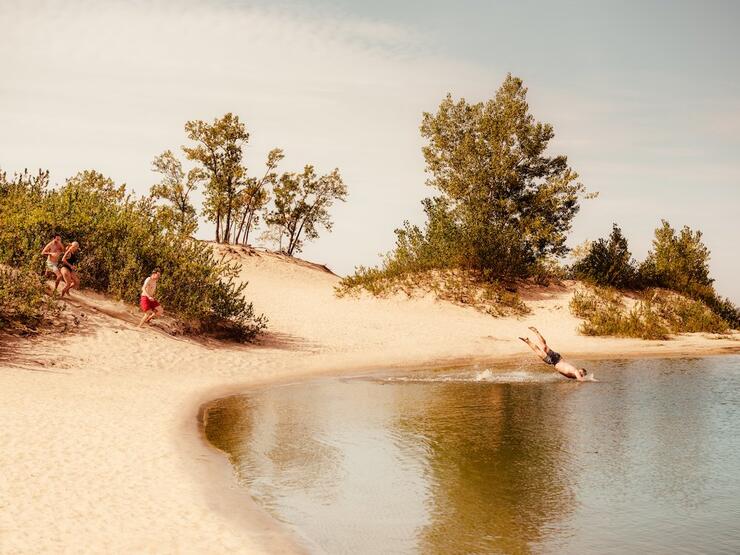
point(644, 98)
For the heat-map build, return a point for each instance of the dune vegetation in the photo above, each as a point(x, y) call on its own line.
point(122, 241)
point(503, 207)
point(124, 237)
point(501, 216)
point(502, 213)
point(674, 289)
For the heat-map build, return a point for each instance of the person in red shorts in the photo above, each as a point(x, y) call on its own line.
point(149, 305)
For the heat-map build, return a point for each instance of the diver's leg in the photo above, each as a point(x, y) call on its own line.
point(541, 340)
point(535, 348)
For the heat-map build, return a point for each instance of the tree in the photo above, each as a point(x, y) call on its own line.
point(678, 261)
point(608, 262)
point(504, 206)
point(301, 206)
point(219, 151)
point(175, 188)
point(254, 197)
point(488, 161)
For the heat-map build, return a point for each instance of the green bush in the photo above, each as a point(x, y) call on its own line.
point(439, 260)
point(725, 309)
point(608, 262)
point(121, 242)
point(677, 261)
point(686, 315)
point(655, 315)
point(24, 305)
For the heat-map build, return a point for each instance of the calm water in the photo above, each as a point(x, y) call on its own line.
point(495, 460)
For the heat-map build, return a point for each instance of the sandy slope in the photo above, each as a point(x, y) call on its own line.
point(100, 445)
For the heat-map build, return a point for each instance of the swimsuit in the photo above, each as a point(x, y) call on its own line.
point(72, 260)
point(53, 266)
point(147, 304)
point(552, 357)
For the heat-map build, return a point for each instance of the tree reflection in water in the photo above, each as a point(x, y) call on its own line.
point(498, 462)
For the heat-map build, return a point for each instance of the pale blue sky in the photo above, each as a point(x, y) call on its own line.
point(644, 97)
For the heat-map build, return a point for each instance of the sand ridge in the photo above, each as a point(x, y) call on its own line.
point(101, 446)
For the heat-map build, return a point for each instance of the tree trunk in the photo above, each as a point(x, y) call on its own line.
point(300, 229)
point(227, 227)
point(289, 251)
point(241, 225)
point(247, 229)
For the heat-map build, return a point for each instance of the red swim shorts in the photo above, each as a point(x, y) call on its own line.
point(147, 304)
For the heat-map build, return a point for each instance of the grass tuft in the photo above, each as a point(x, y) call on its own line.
point(460, 287)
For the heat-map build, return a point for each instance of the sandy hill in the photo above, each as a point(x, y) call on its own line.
point(101, 446)
point(299, 299)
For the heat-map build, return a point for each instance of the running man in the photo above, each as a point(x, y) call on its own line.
point(149, 305)
point(53, 252)
point(549, 356)
point(70, 260)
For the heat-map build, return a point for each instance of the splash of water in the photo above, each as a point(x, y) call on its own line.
point(484, 376)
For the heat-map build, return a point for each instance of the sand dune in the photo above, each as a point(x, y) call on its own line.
point(101, 447)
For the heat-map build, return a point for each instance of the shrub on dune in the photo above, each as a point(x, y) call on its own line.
point(122, 241)
point(656, 314)
point(24, 305)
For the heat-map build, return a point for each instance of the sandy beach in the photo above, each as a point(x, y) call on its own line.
point(102, 450)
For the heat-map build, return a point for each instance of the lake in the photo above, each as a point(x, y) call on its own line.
point(498, 459)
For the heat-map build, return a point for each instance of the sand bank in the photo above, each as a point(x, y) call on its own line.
point(101, 446)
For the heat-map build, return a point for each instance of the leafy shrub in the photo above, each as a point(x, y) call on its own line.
point(607, 262)
point(122, 241)
point(547, 271)
point(656, 315)
point(685, 315)
point(24, 305)
point(725, 309)
point(677, 261)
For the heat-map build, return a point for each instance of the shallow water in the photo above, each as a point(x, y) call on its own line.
point(498, 460)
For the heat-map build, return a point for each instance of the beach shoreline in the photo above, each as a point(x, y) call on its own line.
point(103, 443)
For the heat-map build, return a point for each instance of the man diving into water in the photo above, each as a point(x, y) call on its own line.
point(549, 356)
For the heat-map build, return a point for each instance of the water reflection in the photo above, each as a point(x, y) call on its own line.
point(647, 460)
point(498, 464)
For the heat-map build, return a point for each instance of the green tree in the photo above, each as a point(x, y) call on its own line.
point(505, 206)
point(218, 150)
point(254, 197)
point(488, 160)
point(175, 187)
point(301, 206)
point(678, 261)
point(608, 262)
